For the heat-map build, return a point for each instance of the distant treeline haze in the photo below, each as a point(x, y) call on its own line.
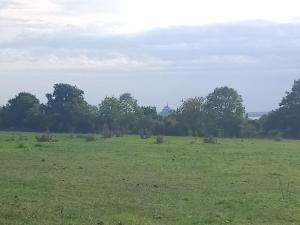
point(221, 113)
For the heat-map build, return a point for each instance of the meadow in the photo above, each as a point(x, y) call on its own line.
point(129, 180)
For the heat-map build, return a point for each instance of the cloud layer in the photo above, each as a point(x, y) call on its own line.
point(236, 46)
point(128, 45)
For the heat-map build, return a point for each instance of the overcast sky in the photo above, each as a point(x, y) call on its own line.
point(161, 51)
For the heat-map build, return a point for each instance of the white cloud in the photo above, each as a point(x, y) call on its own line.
point(27, 60)
point(130, 16)
point(30, 10)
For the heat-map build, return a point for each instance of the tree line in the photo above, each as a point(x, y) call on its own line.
point(221, 113)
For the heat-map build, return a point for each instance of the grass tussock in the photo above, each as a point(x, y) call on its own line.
point(44, 137)
point(159, 139)
point(210, 140)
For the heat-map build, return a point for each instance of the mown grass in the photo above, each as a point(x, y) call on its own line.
point(128, 180)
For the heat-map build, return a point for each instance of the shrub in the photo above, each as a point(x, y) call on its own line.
point(12, 138)
point(43, 138)
point(210, 140)
point(192, 142)
point(90, 137)
point(21, 145)
point(107, 133)
point(159, 139)
point(275, 134)
point(278, 138)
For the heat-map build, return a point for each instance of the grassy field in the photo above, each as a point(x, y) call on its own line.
point(129, 180)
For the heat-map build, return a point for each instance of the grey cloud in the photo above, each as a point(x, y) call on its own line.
point(258, 40)
point(179, 62)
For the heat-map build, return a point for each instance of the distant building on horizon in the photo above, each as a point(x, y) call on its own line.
point(166, 111)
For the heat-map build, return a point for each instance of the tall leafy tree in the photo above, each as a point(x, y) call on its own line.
point(131, 112)
point(292, 98)
point(68, 111)
point(120, 113)
point(149, 111)
point(286, 119)
point(149, 119)
point(23, 112)
point(225, 110)
point(191, 115)
point(109, 114)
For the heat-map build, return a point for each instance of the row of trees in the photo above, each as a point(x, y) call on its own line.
point(221, 113)
point(67, 111)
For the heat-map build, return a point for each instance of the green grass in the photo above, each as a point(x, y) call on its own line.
point(129, 180)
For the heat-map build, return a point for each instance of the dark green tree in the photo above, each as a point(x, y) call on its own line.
point(148, 121)
point(292, 98)
point(248, 129)
point(191, 114)
point(286, 119)
point(109, 114)
point(131, 113)
point(23, 112)
point(68, 111)
point(225, 112)
point(119, 114)
point(149, 111)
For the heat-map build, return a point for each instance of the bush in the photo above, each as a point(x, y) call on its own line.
point(21, 145)
point(192, 142)
point(90, 137)
point(159, 139)
point(12, 138)
point(210, 140)
point(275, 134)
point(278, 138)
point(107, 133)
point(43, 138)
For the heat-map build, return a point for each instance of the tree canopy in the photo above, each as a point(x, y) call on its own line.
point(68, 111)
point(286, 119)
point(23, 111)
point(220, 113)
point(225, 111)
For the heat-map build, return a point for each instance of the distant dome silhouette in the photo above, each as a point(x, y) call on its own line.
point(166, 111)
